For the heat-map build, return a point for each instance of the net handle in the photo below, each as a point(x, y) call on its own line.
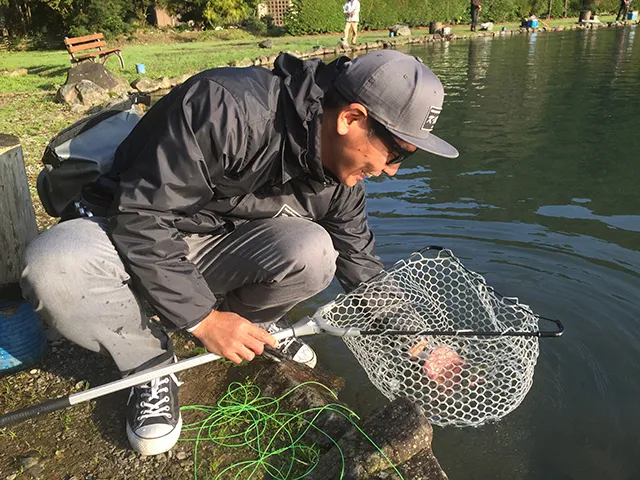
point(317, 324)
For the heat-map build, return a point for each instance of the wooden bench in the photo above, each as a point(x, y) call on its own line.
point(97, 46)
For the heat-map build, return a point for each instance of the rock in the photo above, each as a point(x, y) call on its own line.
point(422, 466)
point(29, 462)
point(84, 93)
point(96, 73)
point(148, 85)
point(400, 30)
point(87, 85)
point(180, 80)
point(245, 62)
point(268, 43)
point(19, 72)
point(400, 429)
point(78, 108)
point(80, 385)
point(280, 378)
point(91, 94)
point(164, 83)
point(36, 471)
point(67, 94)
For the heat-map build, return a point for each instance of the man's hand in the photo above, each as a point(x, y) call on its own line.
point(232, 336)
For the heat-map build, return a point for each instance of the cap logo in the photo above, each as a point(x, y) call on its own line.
point(431, 119)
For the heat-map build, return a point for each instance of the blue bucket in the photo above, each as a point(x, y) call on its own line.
point(140, 68)
point(22, 338)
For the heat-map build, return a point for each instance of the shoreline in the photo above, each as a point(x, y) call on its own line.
point(394, 42)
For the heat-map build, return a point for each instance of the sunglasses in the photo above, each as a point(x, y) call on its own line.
point(390, 142)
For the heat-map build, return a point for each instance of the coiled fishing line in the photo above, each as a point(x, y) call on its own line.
point(273, 438)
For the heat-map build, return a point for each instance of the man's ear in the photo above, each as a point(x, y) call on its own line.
point(353, 116)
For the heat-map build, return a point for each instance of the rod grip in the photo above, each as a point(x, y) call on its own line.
point(30, 412)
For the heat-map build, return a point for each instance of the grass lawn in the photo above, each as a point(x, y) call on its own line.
point(28, 109)
point(175, 56)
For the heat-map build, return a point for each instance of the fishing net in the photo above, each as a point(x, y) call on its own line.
point(458, 380)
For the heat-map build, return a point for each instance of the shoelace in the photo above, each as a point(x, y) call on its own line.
point(283, 344)
point(151, 404)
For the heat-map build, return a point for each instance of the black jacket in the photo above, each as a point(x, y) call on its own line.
point(228, 146)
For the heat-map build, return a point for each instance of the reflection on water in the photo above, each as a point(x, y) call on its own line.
point(544, 201)
point(624, 222)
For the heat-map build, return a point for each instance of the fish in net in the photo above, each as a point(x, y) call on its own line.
point(478, 364)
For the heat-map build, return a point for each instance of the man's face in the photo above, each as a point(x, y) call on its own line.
point(350, 153)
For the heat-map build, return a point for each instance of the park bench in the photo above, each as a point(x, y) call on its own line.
point(94, 47)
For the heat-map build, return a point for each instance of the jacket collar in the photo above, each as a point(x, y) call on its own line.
point(302, 90)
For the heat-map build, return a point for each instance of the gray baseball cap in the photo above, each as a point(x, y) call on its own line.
point(401, 93)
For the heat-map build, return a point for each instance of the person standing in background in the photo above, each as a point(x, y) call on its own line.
point(352, 17)
point(476, 6)
point(623, 10)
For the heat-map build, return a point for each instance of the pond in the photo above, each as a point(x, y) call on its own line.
point(544, 201)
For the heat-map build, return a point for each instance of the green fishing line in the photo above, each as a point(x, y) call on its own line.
point(244, 419)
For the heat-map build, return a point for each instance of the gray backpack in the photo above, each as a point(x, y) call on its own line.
point(71, 183)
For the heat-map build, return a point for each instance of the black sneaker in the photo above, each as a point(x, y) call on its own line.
point(153, 415)
point(291, 348)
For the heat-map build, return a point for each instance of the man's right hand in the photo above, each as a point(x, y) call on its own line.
point(232, 336)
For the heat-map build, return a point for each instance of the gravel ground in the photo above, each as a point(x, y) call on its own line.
point(88, 441)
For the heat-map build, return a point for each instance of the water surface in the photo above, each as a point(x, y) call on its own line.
point(544, 201)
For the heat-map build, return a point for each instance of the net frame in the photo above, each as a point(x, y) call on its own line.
point(459, 380)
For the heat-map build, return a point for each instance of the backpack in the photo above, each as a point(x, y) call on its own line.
point(73, 182)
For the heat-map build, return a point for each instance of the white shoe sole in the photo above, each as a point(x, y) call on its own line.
point(154, 446)
point(306, 356)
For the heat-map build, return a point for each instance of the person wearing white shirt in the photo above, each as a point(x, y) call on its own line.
point(352, 17)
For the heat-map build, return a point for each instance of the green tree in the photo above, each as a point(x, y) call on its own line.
point(212, 13)
point(140, 8)
point(187, 9)
point(17, 16)
point(106, 16)
point(71, 17)
point(225, 12)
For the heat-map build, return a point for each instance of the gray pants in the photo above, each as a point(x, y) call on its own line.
point(78, 284)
